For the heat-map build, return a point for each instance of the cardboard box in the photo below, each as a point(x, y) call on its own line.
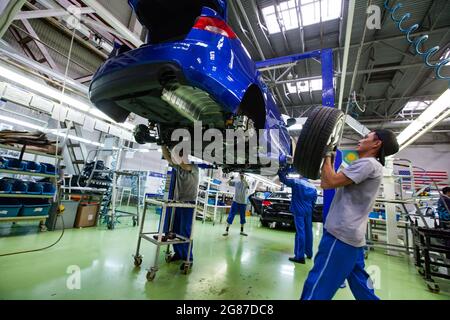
point(87, 215)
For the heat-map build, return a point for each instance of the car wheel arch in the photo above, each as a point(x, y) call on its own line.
point(253, 105)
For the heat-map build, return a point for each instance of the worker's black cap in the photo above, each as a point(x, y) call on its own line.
point(390, 145)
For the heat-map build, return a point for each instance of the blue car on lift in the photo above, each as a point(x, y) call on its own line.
point(192, 68)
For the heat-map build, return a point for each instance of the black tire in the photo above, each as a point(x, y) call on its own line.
point(264, 223)
point(322, 125)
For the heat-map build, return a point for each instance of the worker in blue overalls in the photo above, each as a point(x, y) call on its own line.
point(186, 185)
point(341, 249)
point(304, 196)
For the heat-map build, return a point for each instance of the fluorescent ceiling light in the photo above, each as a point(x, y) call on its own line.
point(33, 85)
point(101, 115)
point(21, 123)
point(128, 125)
point(428, 115)
point(50, 131)
point(43, 89)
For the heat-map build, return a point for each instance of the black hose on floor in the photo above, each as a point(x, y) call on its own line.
point(40, 249)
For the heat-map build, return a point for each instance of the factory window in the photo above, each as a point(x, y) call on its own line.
point(312, 11)
point(305, 86)
point(413, 106)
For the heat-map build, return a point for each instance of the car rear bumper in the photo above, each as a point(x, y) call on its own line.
point(188, 62)
point(279, 217)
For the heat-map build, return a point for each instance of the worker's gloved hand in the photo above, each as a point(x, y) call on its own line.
point(331, 155)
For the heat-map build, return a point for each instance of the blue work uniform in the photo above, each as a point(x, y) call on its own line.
point(239, 202)
point(341, 249)
point(186, 185)
point(304, 196)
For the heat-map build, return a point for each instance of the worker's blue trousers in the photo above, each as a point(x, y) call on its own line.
point(182, 224)
point(237, 207)
point(303, 236)
point(335, 262)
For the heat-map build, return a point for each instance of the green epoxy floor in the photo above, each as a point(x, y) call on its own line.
point(253, 267)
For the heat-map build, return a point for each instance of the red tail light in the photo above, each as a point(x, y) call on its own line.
point(266, 203)
point(215, 25)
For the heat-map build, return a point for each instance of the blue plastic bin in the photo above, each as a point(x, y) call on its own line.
point(9, 208)
point(374, 215)
point(32, 166)
point(5, 186)
point(48, 168)
point(48, 188)
point(19, 186)
point(3, 161)
point(15, 164)
point(34, 188)
point(34, 207)
point(30, 210)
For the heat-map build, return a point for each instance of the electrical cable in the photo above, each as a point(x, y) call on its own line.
point(56, 157)
point(40, 249)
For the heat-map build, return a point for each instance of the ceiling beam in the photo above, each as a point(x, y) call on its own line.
point(114, 22)
point(37, 14)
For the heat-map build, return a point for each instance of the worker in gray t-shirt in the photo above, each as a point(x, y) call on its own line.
point(186, 185)
point(239, 203)
point(341, 249)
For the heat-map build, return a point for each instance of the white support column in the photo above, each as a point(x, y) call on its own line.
point(389, 193)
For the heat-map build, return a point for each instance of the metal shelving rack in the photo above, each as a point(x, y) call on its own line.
point(55, 176)
point(202, 204)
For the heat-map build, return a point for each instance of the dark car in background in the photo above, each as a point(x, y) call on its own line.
point(274, 209)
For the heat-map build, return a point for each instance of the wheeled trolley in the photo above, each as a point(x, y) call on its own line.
point(159, 239)
point(426, 242)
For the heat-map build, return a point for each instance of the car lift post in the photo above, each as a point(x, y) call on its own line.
point(328, 97)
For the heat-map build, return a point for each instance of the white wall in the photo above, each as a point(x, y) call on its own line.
point(431, 158)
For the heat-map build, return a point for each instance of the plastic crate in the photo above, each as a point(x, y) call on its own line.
point(34, 207)
point(374, 215)
point(9, 208)
point(3, 161)
point(48, 168)
point(48, 188)
point(15, 164)
point(32, 166)
point(34, 188)
point(19, 187)
point(5, 186)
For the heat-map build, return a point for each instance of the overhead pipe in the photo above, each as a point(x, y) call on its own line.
point(8, 13)
point(348, 35)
